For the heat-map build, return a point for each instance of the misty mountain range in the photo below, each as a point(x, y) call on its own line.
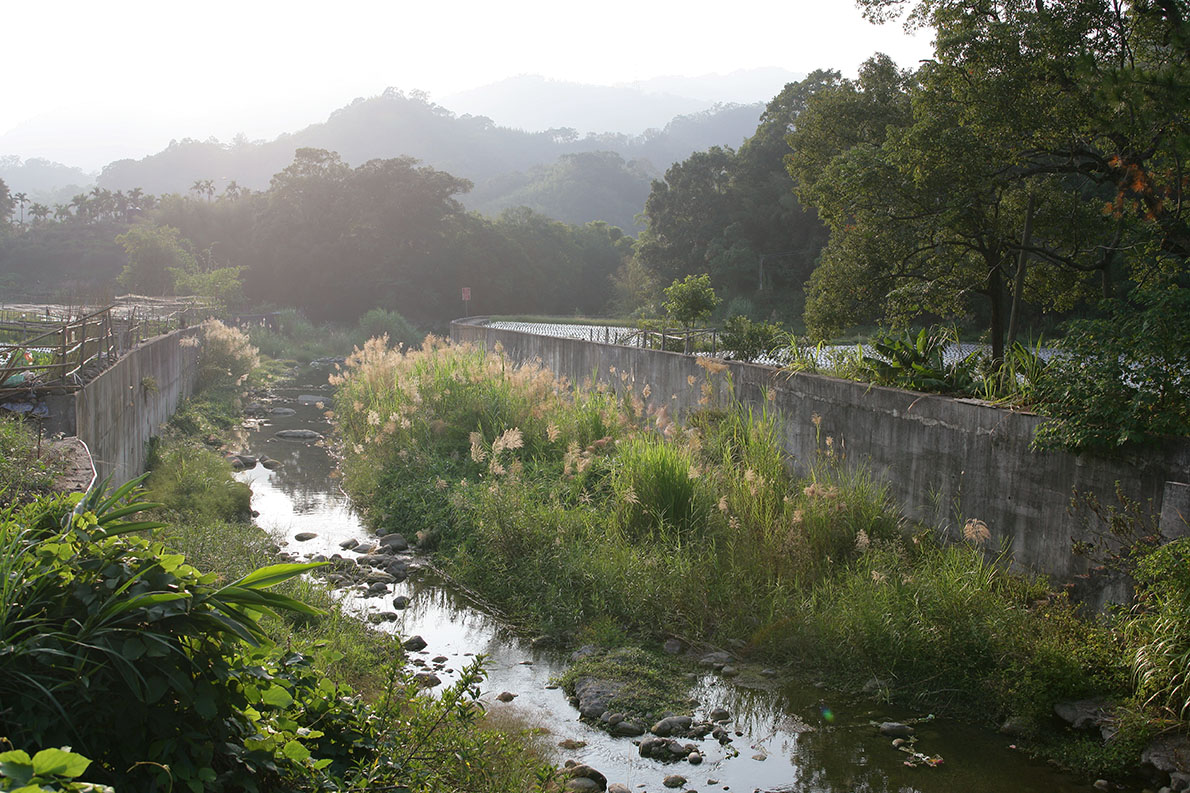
point(561, 168)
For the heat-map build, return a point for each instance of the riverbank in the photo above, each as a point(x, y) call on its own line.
point(584, 513)
point(229, 669)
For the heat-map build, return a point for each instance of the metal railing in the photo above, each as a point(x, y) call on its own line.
point(686, 340)
point(57, 352)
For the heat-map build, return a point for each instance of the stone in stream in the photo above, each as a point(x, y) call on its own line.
point(584, 771)
point(570, 744)
point(303, 536)
point(400, 602)
point(427, 679)
point(414, 643)
point(628, 728)
point(311, 399)
point(582, 785)
point(348, 545)
point(506, 696)
point(298, 435)
point(241, 462)
point(282, 412)
point(719, 714)
point(717, 659)
point(674, 780)
point(694, 758)
point(270, 463)
point(378, 589)
point(729, 671)
point(1083, 713)
point(394, 541)
point(895, 729)
point(672, 725)
point(618, 787)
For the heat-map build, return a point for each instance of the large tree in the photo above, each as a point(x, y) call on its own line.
point(1013, 166)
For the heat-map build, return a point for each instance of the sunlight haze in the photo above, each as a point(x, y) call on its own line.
point(96, 82)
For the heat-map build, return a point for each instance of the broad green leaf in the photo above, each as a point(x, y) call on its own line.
point(17, 766)
point(274, 574)
point(296, 752)
point(56, 762)
point(276, 696)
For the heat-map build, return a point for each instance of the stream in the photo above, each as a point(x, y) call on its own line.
point(788, 734)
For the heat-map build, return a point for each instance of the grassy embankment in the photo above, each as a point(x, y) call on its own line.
point(224, 679)
point(590, 513)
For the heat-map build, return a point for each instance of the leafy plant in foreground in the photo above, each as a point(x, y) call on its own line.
point(103, 626)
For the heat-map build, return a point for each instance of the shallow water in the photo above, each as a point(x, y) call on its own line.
point(793, 737)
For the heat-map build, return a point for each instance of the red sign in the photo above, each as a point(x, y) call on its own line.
point(466, 294)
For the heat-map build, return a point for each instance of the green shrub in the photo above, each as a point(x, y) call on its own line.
point(196, 484)
point(381, 322)
point(22, 472)
point(1160, 632)
point(745, 340)
point(1122, 379)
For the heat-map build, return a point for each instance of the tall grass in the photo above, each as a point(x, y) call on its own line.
point(23, 472)
point(584, 508)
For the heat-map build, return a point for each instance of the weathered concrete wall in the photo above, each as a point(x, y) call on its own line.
point(118, 411)
point(945, 460)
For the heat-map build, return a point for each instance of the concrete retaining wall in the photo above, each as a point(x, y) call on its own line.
point(945, 460)
point(117, 412)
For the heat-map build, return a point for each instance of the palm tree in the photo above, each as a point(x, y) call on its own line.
point(203, 187)
point(61, 211)
point(40, 212)
point(21, 199)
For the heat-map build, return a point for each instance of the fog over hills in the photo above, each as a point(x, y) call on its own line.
point(517, 140)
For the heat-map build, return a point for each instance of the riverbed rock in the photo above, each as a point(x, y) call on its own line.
point(628, 728)
point(727, 670)
point(377, 589)
point(584, 771)
point(694, 758)
point(1083, 713)
point(1169, 753)
point(582, 785)
point(400, 602)
point(311, 399)
point(672, 725)
point(895, 729)
point(665, 749)
point(594, 695)
point(717, 659)
point(304, 536)
point(618, 787)
point(241, 462)
point(414, 643)
point(298, 435)
point(282, 412)
point(427, 679)
point(506, 696)
point(719, 714)
point(269, 463)
point(394, 542)
point(570, 744)
point(672, 646)
point(674, 780)
point(348, 545)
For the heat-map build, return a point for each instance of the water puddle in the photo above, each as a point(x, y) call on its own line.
point(787, 736)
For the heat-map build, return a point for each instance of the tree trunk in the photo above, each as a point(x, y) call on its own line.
point(996, 295)
point(1019, 285)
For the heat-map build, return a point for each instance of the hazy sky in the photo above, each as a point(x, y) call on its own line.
point(87, 81)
